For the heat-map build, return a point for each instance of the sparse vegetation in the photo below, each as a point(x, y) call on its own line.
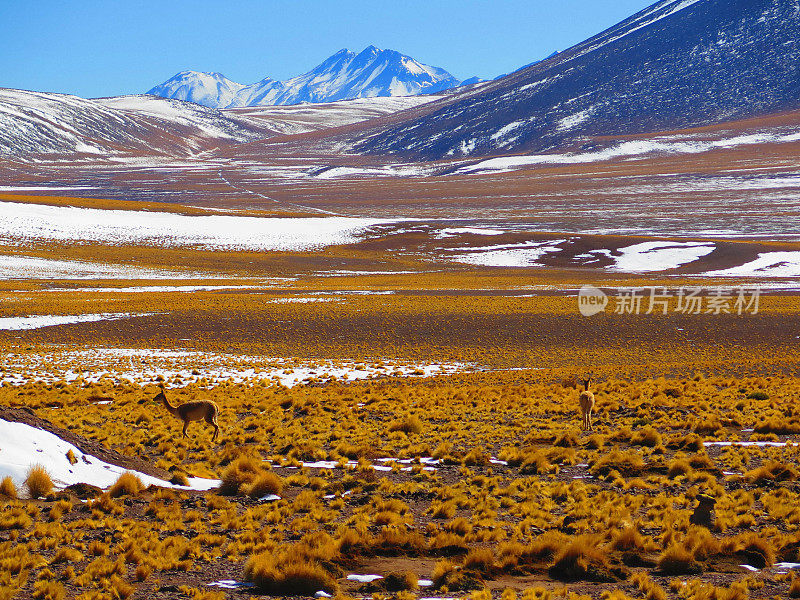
point(38, 482)
point(535, 497)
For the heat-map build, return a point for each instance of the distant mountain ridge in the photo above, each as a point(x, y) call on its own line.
point(675, 64)
point(343, 76)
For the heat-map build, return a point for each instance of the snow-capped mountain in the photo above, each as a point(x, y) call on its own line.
point(209, 89)
point(344, 76)
point(36, 124)
point(677, 63)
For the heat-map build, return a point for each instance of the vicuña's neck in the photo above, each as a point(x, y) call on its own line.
point(169, 406)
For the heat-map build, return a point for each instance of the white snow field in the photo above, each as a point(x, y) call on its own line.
point(21, 222)
point(33, 267)
point(768, 264)
point(23, 446)
point(632, 149)
point(520, 255)
point(659, 256)
point(39, 321)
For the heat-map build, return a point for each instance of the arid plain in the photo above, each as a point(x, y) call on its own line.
point(393, 349)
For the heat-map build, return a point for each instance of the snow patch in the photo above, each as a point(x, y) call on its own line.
point(768, 264)
point(39, 321)
point(658, 256)
point(25, 222)
point(23, 446)
point(526, 256)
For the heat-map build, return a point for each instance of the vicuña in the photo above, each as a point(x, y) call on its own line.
point(195, 410)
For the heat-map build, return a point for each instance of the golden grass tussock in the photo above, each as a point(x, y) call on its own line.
point(646, 436)
point(480, 560)
point(628, 463)
point(770, 471)
point(274, 575)
point(48, 590)
point(7, 488)
point(38, 482)
point(450, 577)
point(127, 484)
point(677, 560)
point(407, 424)
point(794, 587)
point(584, 558)
point(249, 476)
point(399, 581)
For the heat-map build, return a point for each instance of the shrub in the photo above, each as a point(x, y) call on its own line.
point(627, 463)
point(7, 488)
point(179, 478)
point(476, 458)
point(393, 541)
point(66, 554)
point(756, 550)
point(38, 482)
point(778, 425)
point(447, 544)
point(536, 463)
point(595, 442)
point(567, 439)
point(646, 436)
point(480, 560)
point(143, 572)
point(584, 559)
point(772, 470)
point(241, 471)
point(128, 484)
point(544, 546)
point(399, 581)
point(59, 509)
point(794, 587)
point(48, 590)
point(407, 424)
point(758, 396)
point(690, 442)
point(445, 510)
point(628, 539)
point(679, 466)
point(447, 574)
point(264, 484)
point(677, 560)
point(272, 575)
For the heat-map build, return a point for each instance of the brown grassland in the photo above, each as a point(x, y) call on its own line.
point(519, 502)
point(489, 488)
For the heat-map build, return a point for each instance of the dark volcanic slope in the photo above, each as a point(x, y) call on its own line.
point(675, 64)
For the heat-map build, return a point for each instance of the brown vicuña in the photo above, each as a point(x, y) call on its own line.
point(586, 401)
point(195, 410)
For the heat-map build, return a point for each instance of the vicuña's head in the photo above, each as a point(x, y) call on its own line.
point(160, 397)
point(586, 381)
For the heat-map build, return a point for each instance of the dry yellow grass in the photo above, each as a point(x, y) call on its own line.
point(38, 482)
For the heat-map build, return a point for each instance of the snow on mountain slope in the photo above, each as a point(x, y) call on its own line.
point(35, 124)
point(303, 118)
point(343, 76)
point(676, 64)
point(209, 89)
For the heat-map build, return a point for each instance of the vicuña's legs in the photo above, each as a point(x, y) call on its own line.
point(212, 420)
point(185, 425)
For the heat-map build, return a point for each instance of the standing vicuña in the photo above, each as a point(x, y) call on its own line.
point(195, 410)
point(586, 401)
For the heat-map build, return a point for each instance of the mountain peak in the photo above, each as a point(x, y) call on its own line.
point(344, 75)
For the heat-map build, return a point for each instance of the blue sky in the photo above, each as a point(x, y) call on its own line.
point(108, 47)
